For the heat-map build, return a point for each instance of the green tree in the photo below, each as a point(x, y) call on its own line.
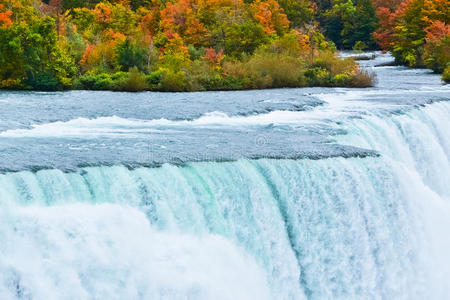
point(244, 38)
point(348, 22)
point(129, 55)
point(31, 56)
point(298, 12)
point(410, 35)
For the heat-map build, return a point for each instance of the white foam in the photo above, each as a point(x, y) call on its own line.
point(108, 251)
point(336, 108)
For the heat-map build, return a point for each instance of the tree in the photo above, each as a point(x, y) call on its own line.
point(299, 12)
point(409, 33)
point(350, 22)
point(436, 10)
point(243, 38)
point(30, 56)
point(437, 46)
point(129, 55)
point(271, 16)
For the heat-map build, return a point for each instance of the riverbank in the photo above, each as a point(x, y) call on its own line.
point(261, 71)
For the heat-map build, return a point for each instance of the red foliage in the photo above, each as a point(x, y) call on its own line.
point(385, 34)
point(392, 5)
point(212, 56)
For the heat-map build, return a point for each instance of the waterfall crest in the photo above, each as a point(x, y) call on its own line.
point(373, 227)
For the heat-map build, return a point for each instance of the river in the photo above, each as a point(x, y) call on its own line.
point(314, 193)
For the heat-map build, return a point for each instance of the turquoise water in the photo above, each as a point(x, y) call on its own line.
point(346, 199)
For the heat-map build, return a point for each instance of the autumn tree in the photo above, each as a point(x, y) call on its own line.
point(181, 17)
point(5, 17)
point(409, 33)
point(271, 16)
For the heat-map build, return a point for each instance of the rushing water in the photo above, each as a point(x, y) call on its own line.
point(277, 194)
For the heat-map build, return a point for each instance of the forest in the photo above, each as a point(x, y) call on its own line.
point(196, 45)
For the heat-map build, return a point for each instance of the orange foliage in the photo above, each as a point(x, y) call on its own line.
point(174, 14)
point(125, 3)
point(88, 52)
point(304, 42)
point(181, 16)
point(149, 22)
point(115, 37)
point(175, 47)
point(437, 31)
point(438, 10)
point(5, 17)
point(230, 6)
point(195, 31)
point(103, 51)
point(103, 11)
point(270, 15)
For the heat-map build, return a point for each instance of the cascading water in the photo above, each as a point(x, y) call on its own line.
point(344, 227)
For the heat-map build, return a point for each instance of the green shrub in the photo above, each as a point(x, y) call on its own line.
point(195, 53)
point(44, 81)
point(101, 81)
point(104, 83)
point(135, 81)
point(342, 80)
point(359, 46)
point(287, 44)
point(244, 38)
point(232, 83)
point(132, 81)
point(214, 81)
point(154, 78)
point(446, 75)
point(319, 76)
point(172, 81)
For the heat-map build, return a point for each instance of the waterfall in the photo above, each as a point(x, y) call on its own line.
point(336, 228)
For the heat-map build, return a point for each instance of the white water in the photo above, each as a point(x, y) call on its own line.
point(107, 251)
point(281, 229)
point(355, 228)
point(339, 106)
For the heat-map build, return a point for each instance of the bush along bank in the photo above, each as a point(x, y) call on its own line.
point(260, 71)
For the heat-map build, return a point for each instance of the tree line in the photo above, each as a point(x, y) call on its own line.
point(186, 45)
